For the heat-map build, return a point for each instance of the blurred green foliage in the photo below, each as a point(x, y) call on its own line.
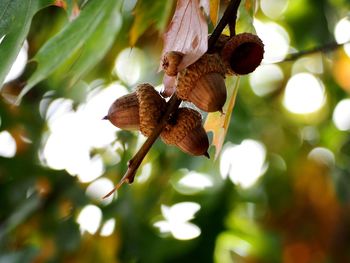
point(297, 211)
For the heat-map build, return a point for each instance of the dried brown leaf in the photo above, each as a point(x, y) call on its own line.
point(187, 32)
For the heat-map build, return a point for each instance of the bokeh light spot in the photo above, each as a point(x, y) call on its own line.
point(108, 228)
point(176, 220)
point(275, 38)
point(145, 173)
point(304, 94)
point(312, 64)
point(73, 134)
point(19, 64)
point(7, 145)
point(89, 219)
point(128, 65)
point(341, 115)
point(266, 79)
point(272, 8)
point(322, 155)
point(342, 33)
point(98, 189)
point(243, 163)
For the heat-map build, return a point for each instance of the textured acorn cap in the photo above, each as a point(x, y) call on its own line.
point(220, 43)
point(243, 53)
point(139, 110)
point(202, 83)
point(171, 61)
point(185, 130)
point(151, 108)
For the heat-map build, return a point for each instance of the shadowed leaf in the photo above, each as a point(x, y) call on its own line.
point(246, 17)
point(148, 12)
point(217, 122)
point(69, 40)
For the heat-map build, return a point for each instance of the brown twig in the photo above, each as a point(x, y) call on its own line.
point(173, 103)
point(229, 17)
point(325, 48)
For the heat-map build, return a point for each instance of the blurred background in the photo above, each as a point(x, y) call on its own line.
point(279, 191)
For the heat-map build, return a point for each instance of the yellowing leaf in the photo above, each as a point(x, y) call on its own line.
point(218, 123)
point(214, 6)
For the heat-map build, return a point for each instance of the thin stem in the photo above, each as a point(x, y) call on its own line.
point(325, 48)
point(229, 17)
point(172, 104)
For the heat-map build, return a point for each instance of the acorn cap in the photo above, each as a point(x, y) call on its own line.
point(171, 61)
point(220, 43)
point(139, 110)
point(185, 130)
point(151, 108)
point(202, 83)
point(243, 53)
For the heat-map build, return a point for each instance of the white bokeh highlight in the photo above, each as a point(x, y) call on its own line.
point(304, 94)
point(129, 64)
point(19, 64)
point(89, 219)
point(243, 163)
point(196, 181)
point(275, 38)
point(342, 33)
point(176, 220)
point(266, 79)
point(108, 228)
point(322, 155)
point(74, 133)
point(272, 8)
point(341, 115)
point(8, 145)
point(98, 189)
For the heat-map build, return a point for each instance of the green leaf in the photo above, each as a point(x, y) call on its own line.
point(217, 122)
point(148, 12)
point(98, 43)
point(69, 40)
point(246, 17)
point(15, 20)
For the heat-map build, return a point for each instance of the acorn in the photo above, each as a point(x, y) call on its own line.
point(185, 130)
point(171, 61)
point(203, 83)
point(243, 53)
point(139, 110)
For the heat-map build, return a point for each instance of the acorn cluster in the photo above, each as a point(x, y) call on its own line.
point(202, 83)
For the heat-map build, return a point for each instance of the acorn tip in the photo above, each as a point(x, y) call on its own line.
point(105, 117)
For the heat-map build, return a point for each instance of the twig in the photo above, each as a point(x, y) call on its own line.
point(229, 17)
point(325, 48)
point(172, 104)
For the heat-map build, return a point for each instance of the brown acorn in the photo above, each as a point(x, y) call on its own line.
point(243, 53)
point(171, 61)
point(185, 130)
point(203, 83)
point(139, 110)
